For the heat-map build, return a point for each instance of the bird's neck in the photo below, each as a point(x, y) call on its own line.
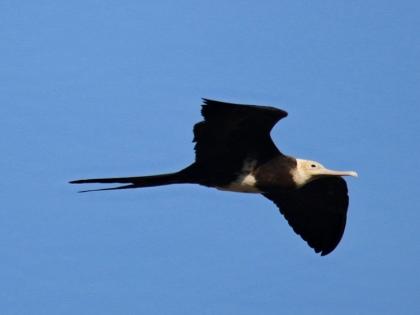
point(300, 176)
point(276, 172)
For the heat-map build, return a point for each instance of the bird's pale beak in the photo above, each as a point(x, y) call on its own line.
point(328, 172)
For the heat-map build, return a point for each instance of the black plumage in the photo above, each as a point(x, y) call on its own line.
point(317, 211)
point(234, 151)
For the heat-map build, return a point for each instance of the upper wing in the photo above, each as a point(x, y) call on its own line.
point(232, 133)
point(317, 211)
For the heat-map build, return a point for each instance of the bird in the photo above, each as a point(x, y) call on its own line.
point(234, 152)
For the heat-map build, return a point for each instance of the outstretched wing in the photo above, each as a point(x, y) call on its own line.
point(317, 211)
point(232, 133)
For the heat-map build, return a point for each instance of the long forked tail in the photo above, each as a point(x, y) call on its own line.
point(135, 182)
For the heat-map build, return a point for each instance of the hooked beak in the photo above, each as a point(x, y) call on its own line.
point(328, 172)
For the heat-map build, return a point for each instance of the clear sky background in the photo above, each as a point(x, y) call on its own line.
point(113, 88)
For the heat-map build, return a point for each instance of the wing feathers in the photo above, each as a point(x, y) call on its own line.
point(317, 212)
point(232, 133)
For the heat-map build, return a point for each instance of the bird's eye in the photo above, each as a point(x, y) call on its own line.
point(313, 165)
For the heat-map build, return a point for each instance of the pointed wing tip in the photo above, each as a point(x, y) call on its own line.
point(326, 252)
point(322, 250)
point(326, 247)
point(276, 111)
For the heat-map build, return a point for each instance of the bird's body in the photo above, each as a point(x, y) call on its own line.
point(234, 152)
point(256, 177)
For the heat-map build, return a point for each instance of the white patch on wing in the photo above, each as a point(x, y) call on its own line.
point(246, 180)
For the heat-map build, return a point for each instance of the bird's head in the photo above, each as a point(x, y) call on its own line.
point(307, 170)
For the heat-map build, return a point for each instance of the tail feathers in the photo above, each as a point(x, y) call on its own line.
point(135, 182)
point(111, 188)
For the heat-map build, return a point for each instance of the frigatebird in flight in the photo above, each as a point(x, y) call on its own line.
point(234, 152)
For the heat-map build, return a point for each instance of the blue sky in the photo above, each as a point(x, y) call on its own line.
point(112, 88)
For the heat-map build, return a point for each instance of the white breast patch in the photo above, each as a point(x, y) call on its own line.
point(246, 180)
